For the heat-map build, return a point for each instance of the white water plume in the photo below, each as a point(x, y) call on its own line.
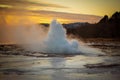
point(57, 42)
point(36, 38)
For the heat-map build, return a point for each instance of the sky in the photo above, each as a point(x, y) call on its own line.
point(21, 12)
point(66, 11)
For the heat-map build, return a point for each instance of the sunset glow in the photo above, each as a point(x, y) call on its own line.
point(66, 11)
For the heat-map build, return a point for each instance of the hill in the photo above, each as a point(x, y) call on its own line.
point(105, 28)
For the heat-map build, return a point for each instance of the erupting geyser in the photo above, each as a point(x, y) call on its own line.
point(55, 41)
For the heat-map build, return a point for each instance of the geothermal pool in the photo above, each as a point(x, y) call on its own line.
point(56, 67)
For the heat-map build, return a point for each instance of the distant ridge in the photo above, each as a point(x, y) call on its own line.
point(115, 18)
point(105, 28)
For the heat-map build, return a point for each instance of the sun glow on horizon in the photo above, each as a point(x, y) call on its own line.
point(66, 11)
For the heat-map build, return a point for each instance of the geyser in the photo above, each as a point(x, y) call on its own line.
point(35, 39)
point(57, 42)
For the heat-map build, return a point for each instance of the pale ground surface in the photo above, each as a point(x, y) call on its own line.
point(29, 67)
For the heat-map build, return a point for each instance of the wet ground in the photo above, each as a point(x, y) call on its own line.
point(17, 64)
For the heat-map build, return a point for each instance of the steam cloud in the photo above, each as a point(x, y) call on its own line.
point(56, 42)
point(35, 38)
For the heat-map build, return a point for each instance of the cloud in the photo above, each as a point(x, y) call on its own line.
point(21, 4)
point(72, 17)
point(47, 15)
point(34, 9)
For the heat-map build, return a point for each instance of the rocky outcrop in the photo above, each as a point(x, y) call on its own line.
point(104, 19)
point(115, 18)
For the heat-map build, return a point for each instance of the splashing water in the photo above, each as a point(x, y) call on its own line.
point(35, 39)
point(56, 42)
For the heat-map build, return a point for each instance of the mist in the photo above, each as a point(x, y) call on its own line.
point(37, 38)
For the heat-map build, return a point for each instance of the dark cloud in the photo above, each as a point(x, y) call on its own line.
point(25, 3)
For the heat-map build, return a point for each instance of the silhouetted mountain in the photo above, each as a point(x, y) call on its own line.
point(115, 18)
point(70, 25)
point(104, 19)
point(75, 25)
point(105, 28)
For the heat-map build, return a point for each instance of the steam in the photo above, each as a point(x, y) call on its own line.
point(33, 37)
point(55, 41)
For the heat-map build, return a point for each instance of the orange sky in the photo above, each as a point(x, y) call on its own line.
point(46, 16)
point(66, 11)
